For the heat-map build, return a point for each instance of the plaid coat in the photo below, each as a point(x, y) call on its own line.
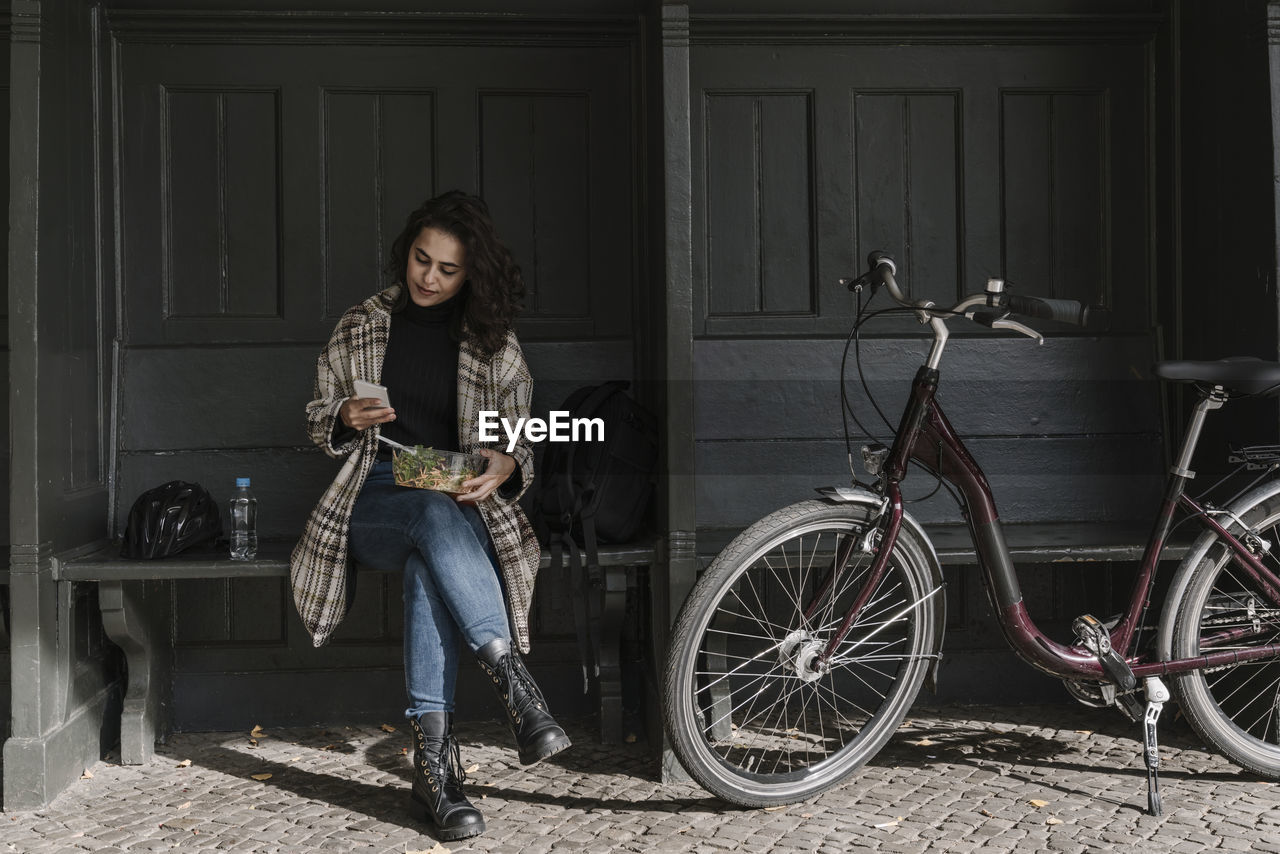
point(321, 569)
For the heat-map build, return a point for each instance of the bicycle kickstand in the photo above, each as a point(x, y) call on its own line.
point(1157, 695)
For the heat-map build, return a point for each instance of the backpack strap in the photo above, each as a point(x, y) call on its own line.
point(578, 581)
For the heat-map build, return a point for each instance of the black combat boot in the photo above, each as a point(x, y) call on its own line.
point(537, 734)
point(438, 778)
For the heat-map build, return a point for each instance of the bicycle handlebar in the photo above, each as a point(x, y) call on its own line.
point(1092, 317)
point(1061, 310)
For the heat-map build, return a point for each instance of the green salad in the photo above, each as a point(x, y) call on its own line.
point(427, 468)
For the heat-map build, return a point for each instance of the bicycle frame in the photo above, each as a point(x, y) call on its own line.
point(926, 437)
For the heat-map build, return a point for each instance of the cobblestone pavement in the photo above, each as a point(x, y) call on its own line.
point(953, 779)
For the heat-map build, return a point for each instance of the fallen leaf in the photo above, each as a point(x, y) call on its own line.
point(260, 776)
point(187, 805)
point(806, 815)
point(473, 769)
point(1084, 732)
point(924, 742)
point(987, 813)
point(253, 742)
point(1053, 821)
point(294, 758)
point(388, 728)
point(257, 731)
point(631, 738)
point(775, 809)
point(186, 763)
point(87, 775)
point(1038, 803)
point(685, 829)
point(885, 824)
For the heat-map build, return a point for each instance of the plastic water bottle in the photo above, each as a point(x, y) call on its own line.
point(244, 522)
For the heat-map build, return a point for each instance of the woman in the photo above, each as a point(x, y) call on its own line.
point(441, 341)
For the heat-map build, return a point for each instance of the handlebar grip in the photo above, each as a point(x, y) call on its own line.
point(882, 268)
point(879, 257)
point(1062, 310)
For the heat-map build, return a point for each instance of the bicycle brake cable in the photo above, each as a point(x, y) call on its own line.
point(847, 410)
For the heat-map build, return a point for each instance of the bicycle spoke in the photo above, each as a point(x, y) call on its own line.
point(763, 706)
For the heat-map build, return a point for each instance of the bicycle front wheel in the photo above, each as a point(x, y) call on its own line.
point(752, 713)
point(1234, 707)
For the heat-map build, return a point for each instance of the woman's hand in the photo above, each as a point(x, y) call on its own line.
point(361, 413)
point(482, 486)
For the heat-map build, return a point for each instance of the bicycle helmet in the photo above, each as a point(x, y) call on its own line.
point(170, 518)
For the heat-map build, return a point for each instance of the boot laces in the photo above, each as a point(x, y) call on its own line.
point(445, 757)
point(524, 693)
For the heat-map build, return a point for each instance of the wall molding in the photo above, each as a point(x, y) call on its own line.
point(923, 29)
point(354, 28)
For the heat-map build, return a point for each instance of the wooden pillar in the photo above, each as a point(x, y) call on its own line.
point(59, 371)
point(679, 569)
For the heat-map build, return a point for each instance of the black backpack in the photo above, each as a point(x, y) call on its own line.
point(600, 490)
point(594, 492)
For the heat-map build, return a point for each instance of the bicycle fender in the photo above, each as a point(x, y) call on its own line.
point(877, 504)
point(1197, 552)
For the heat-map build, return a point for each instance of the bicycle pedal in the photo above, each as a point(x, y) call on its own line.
point(1095, 637)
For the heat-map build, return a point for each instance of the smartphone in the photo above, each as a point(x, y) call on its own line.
point(364, 388)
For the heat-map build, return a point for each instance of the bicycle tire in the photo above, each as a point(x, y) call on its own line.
point(747, 716)
point(1235, 708)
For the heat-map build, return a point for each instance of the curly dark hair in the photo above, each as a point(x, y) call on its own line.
point(490, 296)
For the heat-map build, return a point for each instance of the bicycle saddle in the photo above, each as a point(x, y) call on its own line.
point(1240, 374)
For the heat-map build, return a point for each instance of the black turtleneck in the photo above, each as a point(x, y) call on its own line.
point(420, 372)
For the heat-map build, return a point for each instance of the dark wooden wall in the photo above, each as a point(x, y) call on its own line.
point(1226, 282)
point(1020, 143)
point(263, 179)
point(683, 186)
point(1020, 151)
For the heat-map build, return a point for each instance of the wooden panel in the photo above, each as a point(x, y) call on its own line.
point(1070, 430)
point(913, 151)
point(379, 164)
point(215, 397)
point(535, 163)
point(908, 164)
point(221, 203)
point(1055, 162)
point(377, 616)
point(759, 198)
point(286, 482)
point(1033, 480)
point(790, 389)
point(233, 612)
point(256, 397)
point(355, 152)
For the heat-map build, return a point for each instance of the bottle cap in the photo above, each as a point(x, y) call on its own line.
point(242, 481)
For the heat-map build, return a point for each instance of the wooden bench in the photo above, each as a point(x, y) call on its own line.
point(135, 606)
point(1029, 542)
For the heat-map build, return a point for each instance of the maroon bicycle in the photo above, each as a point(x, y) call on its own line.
point(803, 645)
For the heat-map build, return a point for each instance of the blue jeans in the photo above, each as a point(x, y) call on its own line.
point(452, 594)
